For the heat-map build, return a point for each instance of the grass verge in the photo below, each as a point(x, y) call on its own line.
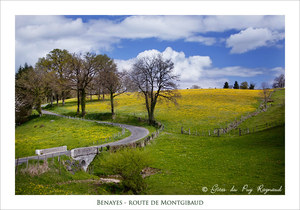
point(52, 131)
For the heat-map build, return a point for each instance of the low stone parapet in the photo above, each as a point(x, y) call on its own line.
point(51, 150)
point(83, 151)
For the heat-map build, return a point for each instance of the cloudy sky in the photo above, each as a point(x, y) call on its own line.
point(206, 50)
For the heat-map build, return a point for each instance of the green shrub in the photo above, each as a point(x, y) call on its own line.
point(128, 163)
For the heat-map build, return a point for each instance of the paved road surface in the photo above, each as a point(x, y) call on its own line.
point(137, 133)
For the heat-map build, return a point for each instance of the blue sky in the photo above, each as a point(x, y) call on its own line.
point(206, 50)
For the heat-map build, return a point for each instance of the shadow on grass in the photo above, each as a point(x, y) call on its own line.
point(107, 116)
point(104, 116)
point(32, 117)
point(72, 103)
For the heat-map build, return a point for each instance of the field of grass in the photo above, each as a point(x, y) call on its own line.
point(52, 131)
point(274, 115)
point(190, 163)
point(200, 109)
point(187, 164)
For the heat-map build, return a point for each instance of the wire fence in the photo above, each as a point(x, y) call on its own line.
point(217, 132)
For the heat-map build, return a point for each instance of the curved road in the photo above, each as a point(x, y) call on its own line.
point(137, 133)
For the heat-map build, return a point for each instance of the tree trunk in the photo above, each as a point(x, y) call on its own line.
point(103, 96)
point(57, 99)
point(151, 114)
point(98, 94)
point(83, 102)
point(51, 99)
point(112, 104)
point(151, 117)
point(78, 101)
point(91, 97)
point(38, 107)
point(63, 97)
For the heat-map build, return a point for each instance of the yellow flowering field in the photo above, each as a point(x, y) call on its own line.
point(51, 131)
point(197, 109)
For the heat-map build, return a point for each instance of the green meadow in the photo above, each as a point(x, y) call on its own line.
point(185, 164)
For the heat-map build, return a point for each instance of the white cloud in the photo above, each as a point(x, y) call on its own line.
point(201, 39)
point(278, 71)
point(252, 38)
point(125, 65)
point(190, 68)
point(236, 71)
point(194, 69)
point(221, 23)
point(38, 35)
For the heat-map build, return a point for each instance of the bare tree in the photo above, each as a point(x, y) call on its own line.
point(155, 79)
point(114, 85)
point(75, 71)
point(111, 80)
point(90, 65)
point(266, 93)
point(279, 82)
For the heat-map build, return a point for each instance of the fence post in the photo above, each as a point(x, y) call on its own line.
point(218, 132)
point(208, 132)
point(59, 163)
point(27, 163)
point(38, 161)
point(181, 130)
point(17, 165)
point(240, 132)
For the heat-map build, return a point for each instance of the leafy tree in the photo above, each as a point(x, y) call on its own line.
point(195, 87)
point(59, 63)
point(226, 85)
point(23, 100)
point(244, 85)
point(155, 79)
point(30, 89)
point(236, 85)
point(56, 63)
point(279, 82)
point(252, 86)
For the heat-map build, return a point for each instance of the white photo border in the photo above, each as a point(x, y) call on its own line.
point(11, 8)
